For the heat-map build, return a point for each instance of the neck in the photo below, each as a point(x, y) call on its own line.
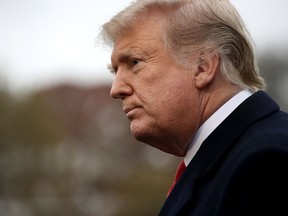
point(213, 99)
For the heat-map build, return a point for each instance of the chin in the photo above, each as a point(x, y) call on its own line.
point(140, 131)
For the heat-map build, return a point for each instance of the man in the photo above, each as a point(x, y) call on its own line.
point(189, 82)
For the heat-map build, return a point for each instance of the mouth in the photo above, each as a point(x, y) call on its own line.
point(129, 111)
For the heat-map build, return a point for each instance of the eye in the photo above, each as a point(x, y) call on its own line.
point(133, 62)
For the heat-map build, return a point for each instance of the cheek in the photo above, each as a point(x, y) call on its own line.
point(175, 106)
point(167, 96)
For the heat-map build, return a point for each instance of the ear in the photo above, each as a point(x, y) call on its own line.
point(208, 67)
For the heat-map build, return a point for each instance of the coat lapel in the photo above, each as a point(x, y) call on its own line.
point(215, 147)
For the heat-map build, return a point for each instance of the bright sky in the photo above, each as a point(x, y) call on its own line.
point(48, 41)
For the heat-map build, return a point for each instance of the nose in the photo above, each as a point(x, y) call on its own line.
point(120, 88)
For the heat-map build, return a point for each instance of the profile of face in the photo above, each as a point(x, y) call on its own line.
point(159, 95)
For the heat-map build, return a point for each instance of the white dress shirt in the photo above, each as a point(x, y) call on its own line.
point(212, 122)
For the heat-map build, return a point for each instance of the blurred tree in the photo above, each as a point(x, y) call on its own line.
point(26, 129)
point(70, 148)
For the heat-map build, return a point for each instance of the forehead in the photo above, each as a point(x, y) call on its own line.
point(143, 35)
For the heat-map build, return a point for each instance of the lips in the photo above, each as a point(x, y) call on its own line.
point(129, 110)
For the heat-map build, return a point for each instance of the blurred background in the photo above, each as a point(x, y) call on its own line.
point(65, 146)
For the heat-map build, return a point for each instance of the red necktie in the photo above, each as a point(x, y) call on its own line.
point(179, 172)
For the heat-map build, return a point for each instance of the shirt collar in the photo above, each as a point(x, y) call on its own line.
point(213, 121)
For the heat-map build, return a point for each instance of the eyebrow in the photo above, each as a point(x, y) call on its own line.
point(122, 57)
point(127, 53)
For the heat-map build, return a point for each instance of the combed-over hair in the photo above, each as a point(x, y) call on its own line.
point(197, 26)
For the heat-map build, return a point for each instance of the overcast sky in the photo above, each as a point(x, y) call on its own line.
point(48, 41)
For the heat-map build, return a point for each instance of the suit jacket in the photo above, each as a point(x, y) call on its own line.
point(240, 169)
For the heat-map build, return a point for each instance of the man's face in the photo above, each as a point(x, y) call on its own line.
point(159, 95)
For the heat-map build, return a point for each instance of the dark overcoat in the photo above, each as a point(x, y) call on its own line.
point(240, 169)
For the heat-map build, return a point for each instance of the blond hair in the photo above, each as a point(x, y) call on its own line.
point(191, 26)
